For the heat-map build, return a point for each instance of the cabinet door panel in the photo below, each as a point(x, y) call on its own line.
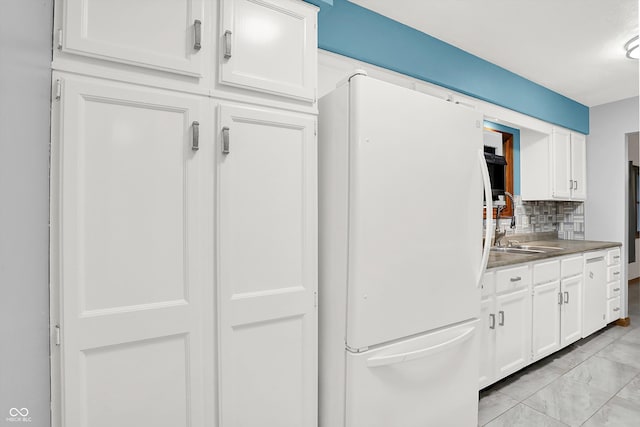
point(267, 268)
point(579, 166)
point(133, 270)
point(571, 329)
point(513, 317)
point(270, 46)
point(561, 165)
point(546, 319)
point(158, 34)
point(487, 342)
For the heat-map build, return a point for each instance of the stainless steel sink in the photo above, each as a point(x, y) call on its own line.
point(514, 250)
point(538, 248)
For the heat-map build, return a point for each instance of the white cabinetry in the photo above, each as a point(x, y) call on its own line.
point(571, 286)
point(267, 272)
point(184, 213)
point(131, 282)
point(553, 167)
point(506, 324)
point(270, 46)
point(595, 293)
point(546, 302)
point(613, 285)
point(164, 35)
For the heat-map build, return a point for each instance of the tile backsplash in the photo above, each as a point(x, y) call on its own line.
point(565, 218)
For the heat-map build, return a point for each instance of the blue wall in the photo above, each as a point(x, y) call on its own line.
point(348, 29)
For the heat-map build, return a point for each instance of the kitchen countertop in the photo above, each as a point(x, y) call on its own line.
point(501, 259)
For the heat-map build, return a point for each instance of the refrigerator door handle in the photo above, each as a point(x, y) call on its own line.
point(418, 354)
point(489, 215)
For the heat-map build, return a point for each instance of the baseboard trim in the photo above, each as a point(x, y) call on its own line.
point(625, 321)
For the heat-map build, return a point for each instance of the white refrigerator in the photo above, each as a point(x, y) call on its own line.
point(401, 176)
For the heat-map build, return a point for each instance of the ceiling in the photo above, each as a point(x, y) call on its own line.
point(573, 47)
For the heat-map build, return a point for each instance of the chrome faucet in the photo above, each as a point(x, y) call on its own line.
point(500, 234)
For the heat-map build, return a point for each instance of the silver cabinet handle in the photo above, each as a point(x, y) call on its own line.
point(516, 279)
point(616, 257)
point(559, 298)
point(227, 44)
point(576, 185)
point(225, 140)
point(616, 289)
point(195, 136)
point(566, 297)
point(501, 315)
point(197, 29)
point(615, 273)
point(492, 318)
point(616, 309)
point(570, 184)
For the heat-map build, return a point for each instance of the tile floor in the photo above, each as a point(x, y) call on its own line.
point(594, 382)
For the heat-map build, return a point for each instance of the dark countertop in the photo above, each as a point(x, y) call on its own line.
point(501, 259)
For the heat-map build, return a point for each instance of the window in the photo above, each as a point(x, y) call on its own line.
point(507, 151)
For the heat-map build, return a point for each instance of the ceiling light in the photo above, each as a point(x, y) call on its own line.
point(632, 48)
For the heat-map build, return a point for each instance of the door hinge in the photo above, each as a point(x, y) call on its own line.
point(56, 335)
point(315, 299)
point(58, 90)
point(59, 39)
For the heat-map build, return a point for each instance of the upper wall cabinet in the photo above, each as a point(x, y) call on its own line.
point(163, 35)
point(269, 46)
point(553, 167)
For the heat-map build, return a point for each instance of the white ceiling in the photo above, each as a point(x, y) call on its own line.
point(573, 47)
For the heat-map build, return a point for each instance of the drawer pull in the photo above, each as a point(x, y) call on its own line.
point(616, 289)
point(566, 297)
point(492, 317)
point(227, 44)
point(615, 273)
point(515, 279)
point(197, 29)
point(616, 257)
point(616, 309)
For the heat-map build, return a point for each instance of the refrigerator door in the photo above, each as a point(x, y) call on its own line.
point(430, 380)
point(415, 213)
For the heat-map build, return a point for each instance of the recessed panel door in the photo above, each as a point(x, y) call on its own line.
point(160, 34)
point(546, 319)
point(269, 46)
point(267, 268)
point(561, 181)
point(513, 335)
point(132, 271)
point(571, 310)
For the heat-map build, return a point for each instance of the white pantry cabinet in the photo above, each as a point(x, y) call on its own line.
point(269, 46)
point(267, 267)
point(132, 303)
point(184, 213)
point(553, 167)
point(163, 35)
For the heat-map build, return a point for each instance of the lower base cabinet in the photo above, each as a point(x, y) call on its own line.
point(505, 342)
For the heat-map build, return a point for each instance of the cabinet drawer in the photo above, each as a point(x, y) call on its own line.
point(544, 272)
point(488, 284)
point(613, 256)
point(572, 266)
point(613, 273)
point(613, 289)
point(613, 309)
point(513, 278)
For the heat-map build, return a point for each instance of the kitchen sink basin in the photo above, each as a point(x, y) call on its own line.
point(514, 250)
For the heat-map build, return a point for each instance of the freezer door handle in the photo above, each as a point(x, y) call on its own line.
point(489, 215)
point(418, 354)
